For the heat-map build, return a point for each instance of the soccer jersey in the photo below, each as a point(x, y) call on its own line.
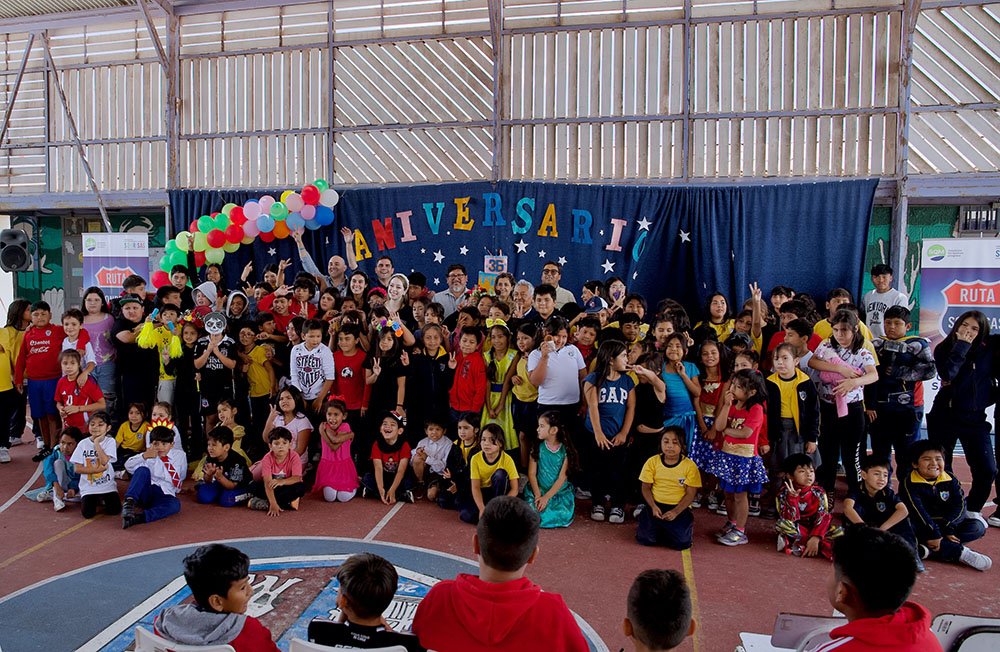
point(68, 393)
point(669, 481)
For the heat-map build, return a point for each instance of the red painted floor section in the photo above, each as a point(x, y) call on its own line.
point(591, 564)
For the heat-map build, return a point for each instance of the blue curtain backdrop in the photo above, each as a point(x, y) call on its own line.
point(683, 242)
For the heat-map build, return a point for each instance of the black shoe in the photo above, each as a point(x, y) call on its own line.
point(754, 507)
point(42, 454)
point(132, 519)
point(128, 511)
point(409, 497)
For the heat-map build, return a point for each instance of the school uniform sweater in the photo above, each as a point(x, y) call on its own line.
point(805, 407)
point(936, 506)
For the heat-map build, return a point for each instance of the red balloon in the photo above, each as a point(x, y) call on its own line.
point(160, 279)
point(199, 258)
point(237, 217)
point(266, 237)
point(234, 233)
point(216, 238)
point(310, 195)
point(194, 227)
point(214, 214)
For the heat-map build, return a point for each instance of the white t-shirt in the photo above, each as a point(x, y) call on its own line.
point(96, 483)
point(875, 305)
point(863, 358)
point(158, 473)
point(310, 369)
point(295, 426)
point(88, 352)
point(562, 376)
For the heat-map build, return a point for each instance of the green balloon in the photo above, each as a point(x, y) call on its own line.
point(171, 247)
point(165, 264)
point(279, 211)
point(222, 221)
point(200, 241)
point(321, 184)
point(205, 223)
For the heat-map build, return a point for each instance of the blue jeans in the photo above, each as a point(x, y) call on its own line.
point(499, 486)
point(105, 375)
point(207, 493)
point(150, 497)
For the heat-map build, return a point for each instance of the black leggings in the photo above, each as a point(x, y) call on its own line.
point(840, 439)
point(112, 504)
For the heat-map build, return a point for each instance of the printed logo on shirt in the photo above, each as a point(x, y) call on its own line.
point(310, 371)
point(347, 372)
point(802, 394)
point(945, 495)
point(880, 506)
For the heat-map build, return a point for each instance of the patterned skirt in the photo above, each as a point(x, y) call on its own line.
point(738, 474)
point(702, 452)
point(688, 422)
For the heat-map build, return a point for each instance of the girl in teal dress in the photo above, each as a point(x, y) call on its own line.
point(552, 455)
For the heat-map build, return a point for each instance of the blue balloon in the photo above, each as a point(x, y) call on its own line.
point(295, 221)
point(265, 223)
point(324, 216)
point(313, 225)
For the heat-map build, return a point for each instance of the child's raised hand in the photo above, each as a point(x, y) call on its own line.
point(404, 358)
point(452, 362)
point(790, 486)
point(755, 292)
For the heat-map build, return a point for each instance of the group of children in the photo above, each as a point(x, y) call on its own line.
point(496, 397)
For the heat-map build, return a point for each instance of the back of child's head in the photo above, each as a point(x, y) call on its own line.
point(924, 446)
point(659, 609)
point(879, 565)
point(508, 533)
point(869, 462)
point(279, 433)
point(368, 583)
point(220, 434)
point(795, 461)
point(212, 570)
point(800, 327)
point(162, 434)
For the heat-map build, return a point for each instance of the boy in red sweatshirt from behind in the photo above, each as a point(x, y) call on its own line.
point(500, 609)
point(218, 577)
point(38, 361)
point(468, 389)
point(873, 574)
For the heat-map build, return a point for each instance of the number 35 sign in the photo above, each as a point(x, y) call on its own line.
point(492, 267)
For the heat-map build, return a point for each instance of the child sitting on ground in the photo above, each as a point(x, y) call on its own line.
point(873, 574)
point(521, 615)
point(659, 611)
point(92, 459)
point(875, 504)
point(552, 456)
point(491, 473)
point(62, 482)
point(218, 577)
point(430, 459)
point(456, 490)
point(280, 486)
point(225, 475)
point(367, 584)
point(336, 477)
point(390, 456)
point(937, 509)
point(670, 482)
point(157, 476)
point(805, 525)
point(131, 436)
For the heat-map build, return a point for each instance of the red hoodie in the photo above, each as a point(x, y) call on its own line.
point(468, 615)
point(907, 630)
point(468, 390)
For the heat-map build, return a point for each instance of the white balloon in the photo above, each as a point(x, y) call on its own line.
point(329, 198)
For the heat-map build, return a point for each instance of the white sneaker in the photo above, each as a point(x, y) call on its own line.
point(638, 510)
point(39, 443)
point(979, 517)
point(993, 520)
point(15, 441)
point(975, 559)
point(4, 455)
point(617, 515)
point(44, 496)
point(57, 503)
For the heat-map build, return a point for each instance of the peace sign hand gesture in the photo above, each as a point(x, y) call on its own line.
point(452, 362)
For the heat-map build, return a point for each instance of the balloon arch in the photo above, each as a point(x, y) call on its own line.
point(266, 218)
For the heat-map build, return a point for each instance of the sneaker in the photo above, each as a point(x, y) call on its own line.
point(57, 503)
point(617, 515)
point(420, 491)
point(132, 519)
point(721, 510)
point(734, 538)
point(696, 503)
point(4, 455)
point(713, 501)
point(582, 494)
point(993, 520)
point(754, 506)
point(976, 560)
point(769, 512)
point(121, 475)
point(597, 513)
point(920, 566)
point(979, 517)
point(365, 492)
point(729, 526)
point(42, 454)
point(15, 441)
point(638, 510)
point(781, 543)
point(128, 507)
point(259, 504)
point(409, 497)
point(923, 552)
point(44, 496)
point(39, 443)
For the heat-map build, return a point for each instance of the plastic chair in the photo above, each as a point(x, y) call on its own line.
point(966, 633)
point(298, 645)
point(147, 641)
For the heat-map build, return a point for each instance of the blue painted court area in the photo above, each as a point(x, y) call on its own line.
point(96, 608)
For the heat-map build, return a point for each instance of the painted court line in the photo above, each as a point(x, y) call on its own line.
point(52, 539)
point(689, 578)
point(27, 485)
point(385, 521)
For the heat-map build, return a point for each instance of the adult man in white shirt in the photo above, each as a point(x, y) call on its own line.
point(883, 297)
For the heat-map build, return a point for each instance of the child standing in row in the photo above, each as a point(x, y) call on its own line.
point(552, 456)
point(524, 403)
point(500, 369)
point(38, 362)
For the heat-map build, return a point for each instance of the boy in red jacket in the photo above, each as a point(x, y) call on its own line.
point(218, 577)
point(501, 609)
point(873, 574)
point(468, 389)
point(38, 360)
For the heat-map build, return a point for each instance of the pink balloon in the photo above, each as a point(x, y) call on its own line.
point(250, 229)
point(294, 202)
point(308, 212)
point(265, 204)
point(251, 210)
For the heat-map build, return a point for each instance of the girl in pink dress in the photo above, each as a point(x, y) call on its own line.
point(336, 476)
